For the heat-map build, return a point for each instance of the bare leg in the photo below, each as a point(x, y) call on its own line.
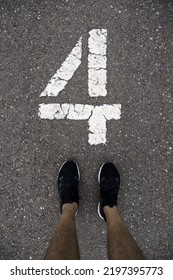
point(121, 245)
point(64, 245)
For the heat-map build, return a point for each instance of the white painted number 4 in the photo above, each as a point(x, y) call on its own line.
point(97, 116)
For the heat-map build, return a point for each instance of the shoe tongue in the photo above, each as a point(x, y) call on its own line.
point(110, 200)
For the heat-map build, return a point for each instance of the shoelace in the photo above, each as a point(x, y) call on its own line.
point(67, 192)
point(68, 181)
point(109, 182)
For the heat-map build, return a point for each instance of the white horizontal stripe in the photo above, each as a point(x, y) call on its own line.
point(97, 117)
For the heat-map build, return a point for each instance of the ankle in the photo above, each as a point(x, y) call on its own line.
point(69, 208)
point(110, 210)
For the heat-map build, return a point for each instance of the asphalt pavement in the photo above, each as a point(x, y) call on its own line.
point(36, 37)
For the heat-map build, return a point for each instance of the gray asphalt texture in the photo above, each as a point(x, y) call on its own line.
point(36, 37)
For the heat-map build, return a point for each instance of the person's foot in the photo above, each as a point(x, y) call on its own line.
point(68, 181)
point(109, 181)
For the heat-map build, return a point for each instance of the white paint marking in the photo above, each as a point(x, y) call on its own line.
point(97, 60)
point(96, 115)
point(65, 111)
point(97, 122)
point(65, 72)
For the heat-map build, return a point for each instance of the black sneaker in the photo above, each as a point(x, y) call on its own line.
point(68, 181)
point(109, 181)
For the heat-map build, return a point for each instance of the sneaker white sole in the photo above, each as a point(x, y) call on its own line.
point(99, 211)
point(99, 187)
point(99, 173)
